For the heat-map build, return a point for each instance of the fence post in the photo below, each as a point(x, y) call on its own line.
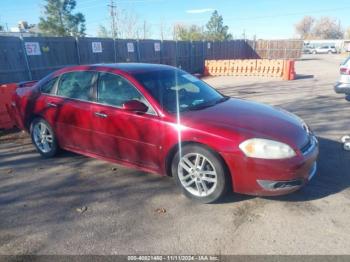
point(115, 50)
point(285, 52)
point(190, 58)
point(78, 50)
point(26, 59)
point(138, 51)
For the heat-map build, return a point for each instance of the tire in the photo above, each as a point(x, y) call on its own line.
point(314, 52)
point(43, 138)
point(198, 187)
point(329, 52)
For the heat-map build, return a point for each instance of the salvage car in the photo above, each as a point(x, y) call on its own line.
point(160, 119)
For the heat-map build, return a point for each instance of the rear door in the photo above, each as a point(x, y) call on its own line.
point(129, 136)
point(69, 109)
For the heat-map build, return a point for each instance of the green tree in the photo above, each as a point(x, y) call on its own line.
point(216, 30)
point(59, 19)
point(189, 33)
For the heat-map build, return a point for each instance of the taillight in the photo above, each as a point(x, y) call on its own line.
point(344, 71)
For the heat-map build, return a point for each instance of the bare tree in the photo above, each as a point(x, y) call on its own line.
point(145, 30)
point(165, 30)
point(304, 27)
point(127, 24)
point(328, 28)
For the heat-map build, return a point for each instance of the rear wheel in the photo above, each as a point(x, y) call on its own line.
point(314, 52)
point(43, 138)
point(200, 174)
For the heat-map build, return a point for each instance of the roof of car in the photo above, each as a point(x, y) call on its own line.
point(135, 67)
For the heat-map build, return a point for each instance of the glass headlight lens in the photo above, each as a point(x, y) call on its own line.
point(266, 149)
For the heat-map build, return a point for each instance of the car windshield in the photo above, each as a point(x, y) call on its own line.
point(169, 86)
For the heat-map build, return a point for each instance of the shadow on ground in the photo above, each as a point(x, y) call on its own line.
point(299, 76)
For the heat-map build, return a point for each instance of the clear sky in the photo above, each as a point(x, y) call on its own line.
point(271, 19)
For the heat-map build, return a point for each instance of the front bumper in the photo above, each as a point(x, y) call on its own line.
point(342, 88)
point(263, 177)
point(272, 185)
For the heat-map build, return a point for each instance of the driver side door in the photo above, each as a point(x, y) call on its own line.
point(123, 135)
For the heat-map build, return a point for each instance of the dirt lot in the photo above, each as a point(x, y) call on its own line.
point(42, 202)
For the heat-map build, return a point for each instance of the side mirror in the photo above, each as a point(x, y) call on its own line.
point(135, 106)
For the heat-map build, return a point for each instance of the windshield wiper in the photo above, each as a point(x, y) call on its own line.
point(208, 104)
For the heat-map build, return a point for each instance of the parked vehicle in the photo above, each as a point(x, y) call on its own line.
point(308, 49)
point(343, 85)
point(326, 49)
point(161, 119)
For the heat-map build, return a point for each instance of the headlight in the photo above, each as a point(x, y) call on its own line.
point(266, 149)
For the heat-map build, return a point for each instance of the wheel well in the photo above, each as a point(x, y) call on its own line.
point(29, 120)
point(175, 149)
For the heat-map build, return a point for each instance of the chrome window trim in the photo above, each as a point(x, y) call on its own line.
point(94, 102)
point(95, 78)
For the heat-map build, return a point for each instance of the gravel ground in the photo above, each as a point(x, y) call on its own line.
point(77, 205)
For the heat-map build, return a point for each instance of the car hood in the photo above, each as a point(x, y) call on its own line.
point(248, 119)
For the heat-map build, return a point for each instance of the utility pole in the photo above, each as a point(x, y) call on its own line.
point(144, 29)
point(113, 14)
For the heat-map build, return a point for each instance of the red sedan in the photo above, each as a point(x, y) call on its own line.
point(161, 119)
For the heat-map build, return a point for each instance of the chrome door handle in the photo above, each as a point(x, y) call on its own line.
point(102, 115)
point(51, 104)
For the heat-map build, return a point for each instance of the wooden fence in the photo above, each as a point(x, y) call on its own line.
point(31, 58)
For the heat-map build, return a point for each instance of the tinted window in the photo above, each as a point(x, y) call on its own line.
point(47, 87)
point(76, 85)
point(115, 90)
point(169, 86)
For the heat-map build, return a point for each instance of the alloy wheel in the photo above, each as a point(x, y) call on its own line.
point(197, 174)
point(43, 137)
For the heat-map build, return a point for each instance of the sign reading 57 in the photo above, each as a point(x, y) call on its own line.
point(32, 48)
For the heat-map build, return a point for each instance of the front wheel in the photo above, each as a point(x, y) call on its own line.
point(43, 138)
point(200, 173)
